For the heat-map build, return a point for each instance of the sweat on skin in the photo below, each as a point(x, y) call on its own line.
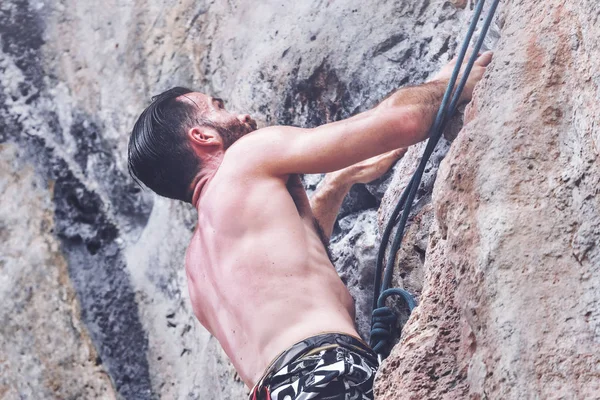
point(258, 271)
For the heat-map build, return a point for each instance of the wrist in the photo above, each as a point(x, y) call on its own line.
point(342, 179)
point(440, 79)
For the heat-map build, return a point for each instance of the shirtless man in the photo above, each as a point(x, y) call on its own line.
point(259, 276)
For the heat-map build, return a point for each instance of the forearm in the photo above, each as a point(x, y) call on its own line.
point(328, 198)
point(424, 101)
point(401, 120)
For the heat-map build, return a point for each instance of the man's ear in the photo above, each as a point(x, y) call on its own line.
point(203, 136)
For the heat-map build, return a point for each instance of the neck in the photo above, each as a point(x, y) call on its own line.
point(199, 185)
point(210, 166)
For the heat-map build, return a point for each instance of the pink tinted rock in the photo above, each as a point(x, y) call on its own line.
point(510, 306)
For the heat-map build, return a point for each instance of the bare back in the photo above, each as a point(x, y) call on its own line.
point(258, 273)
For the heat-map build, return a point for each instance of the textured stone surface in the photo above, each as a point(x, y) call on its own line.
point(68, 96)
point(45, 349)
point(354, 253)
point(510, 303)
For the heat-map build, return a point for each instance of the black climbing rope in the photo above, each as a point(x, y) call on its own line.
point(384, 319)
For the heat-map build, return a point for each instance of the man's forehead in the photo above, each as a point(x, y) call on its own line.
point(199, 99)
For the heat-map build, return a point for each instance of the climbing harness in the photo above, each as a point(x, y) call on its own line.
point(384, 319)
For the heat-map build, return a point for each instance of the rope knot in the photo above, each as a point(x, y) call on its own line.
point(384, 320)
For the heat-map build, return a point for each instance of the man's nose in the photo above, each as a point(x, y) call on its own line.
point(245, 118)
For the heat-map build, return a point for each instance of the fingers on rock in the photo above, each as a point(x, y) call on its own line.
point(485, 59)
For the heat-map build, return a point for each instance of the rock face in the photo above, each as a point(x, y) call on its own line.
point(510, 304)
point(95, 303)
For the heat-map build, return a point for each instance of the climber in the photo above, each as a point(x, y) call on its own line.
point(259, 276)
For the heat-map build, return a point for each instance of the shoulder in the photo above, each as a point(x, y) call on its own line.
point(255, 149)
point(264, 136)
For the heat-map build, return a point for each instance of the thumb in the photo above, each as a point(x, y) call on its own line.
point(399, 152)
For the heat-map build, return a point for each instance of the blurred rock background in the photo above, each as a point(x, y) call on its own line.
point(93, 292)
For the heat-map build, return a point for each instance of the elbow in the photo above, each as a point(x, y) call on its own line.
point(406, 121)
point(417, 125)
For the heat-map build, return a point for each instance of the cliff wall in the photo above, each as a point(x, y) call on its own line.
point(510, 303)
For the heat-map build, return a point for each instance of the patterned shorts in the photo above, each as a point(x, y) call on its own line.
point(331, 366)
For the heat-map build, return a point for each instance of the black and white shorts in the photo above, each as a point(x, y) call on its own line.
point(330, 366)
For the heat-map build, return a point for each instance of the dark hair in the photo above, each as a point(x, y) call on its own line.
point(159, 153)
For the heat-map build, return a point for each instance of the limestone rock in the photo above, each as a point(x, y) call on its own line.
point(46, 351)
point(509, 308)
point(354, 253)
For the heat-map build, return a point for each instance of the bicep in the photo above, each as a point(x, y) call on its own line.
point(330, 147)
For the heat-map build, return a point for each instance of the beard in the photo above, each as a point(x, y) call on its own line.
point(231, 132)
